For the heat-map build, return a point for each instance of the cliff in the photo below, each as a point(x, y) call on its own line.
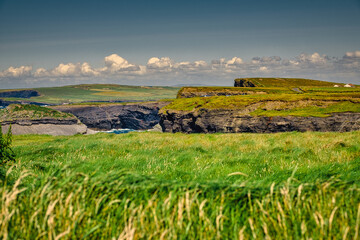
point(234, 121)
point(45, 126)
point(32, 119)
point(109, 116)
point(284, 82)
point(263, 113)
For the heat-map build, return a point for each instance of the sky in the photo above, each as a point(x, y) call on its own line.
point(142, 42)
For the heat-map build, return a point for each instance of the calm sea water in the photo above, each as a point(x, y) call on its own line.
point(120, 131)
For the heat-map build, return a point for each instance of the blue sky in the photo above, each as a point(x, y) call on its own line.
point(202, 35)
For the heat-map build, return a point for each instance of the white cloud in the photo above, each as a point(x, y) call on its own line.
point(350, 61)
point(67, 70)
point(116, 64)
point(263, 69)
point(167, 71)
point(218, 63)
point(41, 72)
point(16, 72)
point(163, 64)
point(87, 70)
point(191, 66)
point(234, 62)
point(64, 70)
point(315, 59)
point(355, 54)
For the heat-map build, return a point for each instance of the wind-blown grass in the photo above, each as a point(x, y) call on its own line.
point(74, 206)
point(181, 186)
point(265, 158)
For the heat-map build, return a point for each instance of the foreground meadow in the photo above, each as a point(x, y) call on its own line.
point(180, 186)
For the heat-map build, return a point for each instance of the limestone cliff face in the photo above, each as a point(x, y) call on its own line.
point(49, 126)
point(105, 117)
point(231, 121)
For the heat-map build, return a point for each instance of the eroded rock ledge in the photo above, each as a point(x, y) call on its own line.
point(105, 117)
point(49, 126)
point(231, 121)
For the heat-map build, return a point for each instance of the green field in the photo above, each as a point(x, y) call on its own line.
point(271, 97)
point(317, 104)
point(146, 185)
point(198, 91)
point(180, 186)
point(101, 92)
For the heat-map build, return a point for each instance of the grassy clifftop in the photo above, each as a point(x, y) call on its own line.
point(187, 92)
point(286, 82)
point(256, 86)
point(27, 111)
point(273, 104)
point(271, 97)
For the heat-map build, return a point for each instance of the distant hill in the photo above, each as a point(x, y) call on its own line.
point(281, 82)
point(96, 92)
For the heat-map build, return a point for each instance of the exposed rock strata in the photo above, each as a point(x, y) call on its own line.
point(45, 126)
point(105, 117)
point(233, 121)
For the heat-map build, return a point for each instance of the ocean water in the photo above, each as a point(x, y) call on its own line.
point(121, 131)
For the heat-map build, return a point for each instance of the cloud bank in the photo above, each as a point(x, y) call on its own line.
point(165, 71)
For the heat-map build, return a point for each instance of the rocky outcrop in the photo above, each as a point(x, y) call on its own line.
point(45, 126)
point(231, 121)
point(136, 116)
point(243, 83)
point(19, 94)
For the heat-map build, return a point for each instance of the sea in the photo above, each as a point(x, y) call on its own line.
point(121, 131)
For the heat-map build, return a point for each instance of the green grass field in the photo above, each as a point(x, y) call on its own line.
point(295, 97)
point(101, 92)
point(317, 104)
point(183, 186)
point(198, 91)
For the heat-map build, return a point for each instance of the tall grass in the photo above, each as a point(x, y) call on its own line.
point(123, 206)
point(179, 186)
